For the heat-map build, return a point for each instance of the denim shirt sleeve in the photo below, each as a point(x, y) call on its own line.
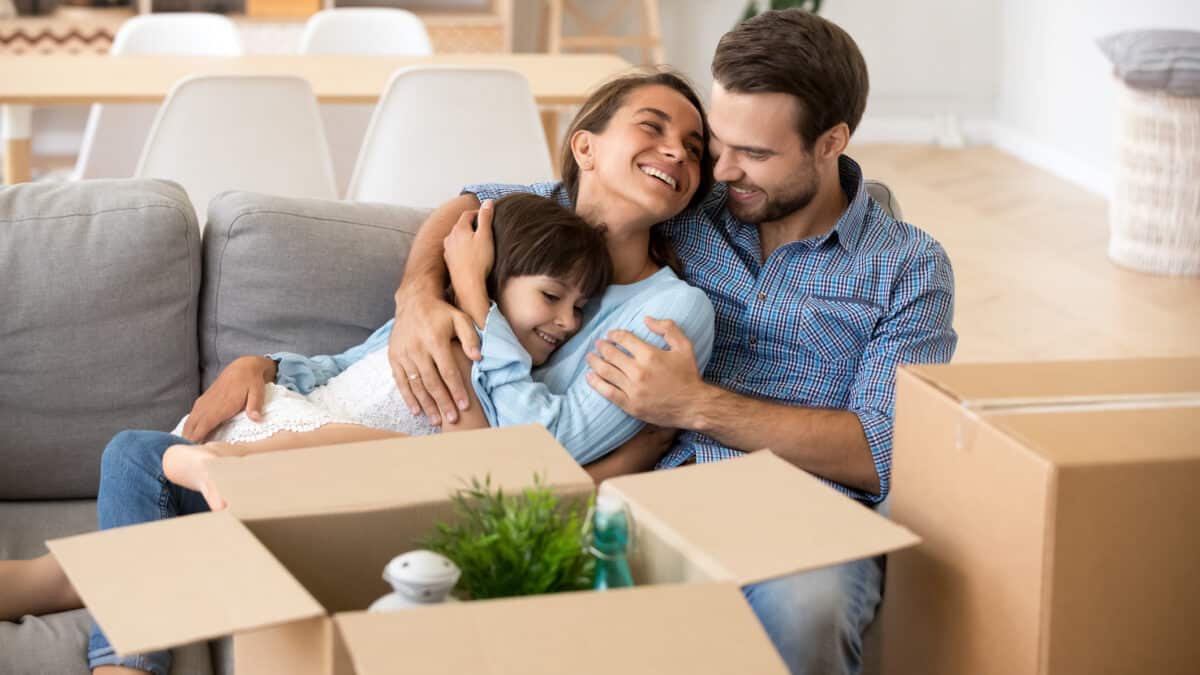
point(916, 329)
point(583, 421)
point(302, 373)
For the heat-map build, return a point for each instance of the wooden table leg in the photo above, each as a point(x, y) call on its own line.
point(16, 121)
point(550, 127)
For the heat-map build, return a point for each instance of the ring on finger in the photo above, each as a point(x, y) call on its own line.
point(413, 376)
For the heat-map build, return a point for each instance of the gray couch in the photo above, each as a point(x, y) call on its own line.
point(115, 313)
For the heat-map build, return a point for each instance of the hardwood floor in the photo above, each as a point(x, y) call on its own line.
point(1033, 278)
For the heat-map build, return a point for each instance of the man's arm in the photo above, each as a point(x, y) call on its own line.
point(421, 348)
point(665, 388)
point(851, 447)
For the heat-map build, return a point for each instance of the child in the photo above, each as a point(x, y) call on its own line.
point(548, 263)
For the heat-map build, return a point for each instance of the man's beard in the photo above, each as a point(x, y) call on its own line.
point(777, 207)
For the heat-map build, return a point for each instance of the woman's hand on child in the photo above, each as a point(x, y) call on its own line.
point(241, 386)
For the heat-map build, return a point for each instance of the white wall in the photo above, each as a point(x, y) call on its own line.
point(1055, 92)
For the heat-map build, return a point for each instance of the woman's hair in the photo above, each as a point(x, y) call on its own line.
point(537, 236)
point(598, 111)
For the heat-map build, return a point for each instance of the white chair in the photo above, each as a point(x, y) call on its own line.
point(115, 134)
point(438, 128)
point(359, 30)
point(240, 132)
point(365, 30)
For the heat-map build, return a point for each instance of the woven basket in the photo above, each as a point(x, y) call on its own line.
point(1155, 208)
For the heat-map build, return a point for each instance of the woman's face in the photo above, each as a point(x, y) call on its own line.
point(649, 153)
point(543, 312)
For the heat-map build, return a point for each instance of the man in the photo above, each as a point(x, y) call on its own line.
point(819, 295)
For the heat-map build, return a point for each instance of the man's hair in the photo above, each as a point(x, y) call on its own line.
point(537, 236)
point(598, 111)
point(794, 52)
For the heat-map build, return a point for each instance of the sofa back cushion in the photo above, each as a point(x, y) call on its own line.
point(99, 294)
point(301, 275)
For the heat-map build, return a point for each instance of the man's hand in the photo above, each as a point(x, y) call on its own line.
point(657, 386)
point(421, 350)
point(239, 387)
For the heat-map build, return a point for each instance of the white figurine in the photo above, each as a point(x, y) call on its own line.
point(419, 578)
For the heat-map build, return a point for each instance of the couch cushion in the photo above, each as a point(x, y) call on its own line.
point(302, 275)
point(99, 285)
point(57, 644)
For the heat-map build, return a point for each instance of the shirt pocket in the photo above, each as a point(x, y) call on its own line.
point(837, 329)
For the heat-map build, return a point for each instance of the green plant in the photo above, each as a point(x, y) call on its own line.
point(509, 545)
point(813, 6)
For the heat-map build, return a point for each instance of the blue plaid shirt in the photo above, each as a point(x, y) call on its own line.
point(824, 321)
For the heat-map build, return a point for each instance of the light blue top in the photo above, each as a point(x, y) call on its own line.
point(557, 394)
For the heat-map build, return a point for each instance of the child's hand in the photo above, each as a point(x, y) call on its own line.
point(469, 252)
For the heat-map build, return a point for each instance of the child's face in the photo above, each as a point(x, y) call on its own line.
point(543, 311)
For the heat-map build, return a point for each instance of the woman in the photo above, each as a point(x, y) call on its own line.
point(636, 155)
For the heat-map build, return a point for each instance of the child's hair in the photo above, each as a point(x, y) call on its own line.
point(538, 236)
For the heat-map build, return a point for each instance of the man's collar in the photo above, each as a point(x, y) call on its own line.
point(849, 227)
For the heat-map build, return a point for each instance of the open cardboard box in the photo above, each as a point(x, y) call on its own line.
point(1060, 518)
point(290, 566)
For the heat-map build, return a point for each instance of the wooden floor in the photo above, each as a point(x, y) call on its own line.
point(1032, 275)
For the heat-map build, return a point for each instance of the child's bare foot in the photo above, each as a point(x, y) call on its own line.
point(187, 466)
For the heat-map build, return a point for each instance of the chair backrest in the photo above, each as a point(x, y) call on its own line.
point(880, 192)
point(438, 128)
point(224, 132)
point(365, 30)
point(359, 30)
point(181, 33)
point(115, 134)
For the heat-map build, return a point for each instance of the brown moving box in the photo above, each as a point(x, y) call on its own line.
point(300, 552)
point(1057, 503)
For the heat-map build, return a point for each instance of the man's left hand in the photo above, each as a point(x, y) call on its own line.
point(654, 385)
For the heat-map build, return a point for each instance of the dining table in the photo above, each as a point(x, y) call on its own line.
point(556, 81)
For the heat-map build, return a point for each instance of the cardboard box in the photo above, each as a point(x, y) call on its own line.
point(1057, 503)
point(290, 565)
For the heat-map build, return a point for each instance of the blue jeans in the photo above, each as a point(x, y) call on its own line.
point(134, 490)
point(816, 619)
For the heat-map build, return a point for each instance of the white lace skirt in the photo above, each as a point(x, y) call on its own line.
point(364, 394)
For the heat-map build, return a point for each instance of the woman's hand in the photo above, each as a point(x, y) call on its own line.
point(470, 253)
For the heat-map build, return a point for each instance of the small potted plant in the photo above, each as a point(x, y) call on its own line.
point(509, 545)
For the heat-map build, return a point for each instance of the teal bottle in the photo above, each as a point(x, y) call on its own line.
point(610, 543)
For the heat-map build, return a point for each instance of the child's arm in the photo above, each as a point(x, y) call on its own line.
point(473, 417)
point(469, 255)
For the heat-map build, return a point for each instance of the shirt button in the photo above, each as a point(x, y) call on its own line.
point(753, 340)
point(762, 296)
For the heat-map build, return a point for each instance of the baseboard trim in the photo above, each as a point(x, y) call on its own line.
point(952, 131)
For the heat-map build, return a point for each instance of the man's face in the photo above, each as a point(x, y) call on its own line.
point(759, 153)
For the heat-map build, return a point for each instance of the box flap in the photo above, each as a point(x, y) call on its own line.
point(176, 581)
point(1107, 436)
point(1060, 381)
point(700, 629)
point(755, 517)
point(393, 472)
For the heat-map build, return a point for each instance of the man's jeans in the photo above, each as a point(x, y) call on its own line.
point(816, 619)
point(134, 490)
